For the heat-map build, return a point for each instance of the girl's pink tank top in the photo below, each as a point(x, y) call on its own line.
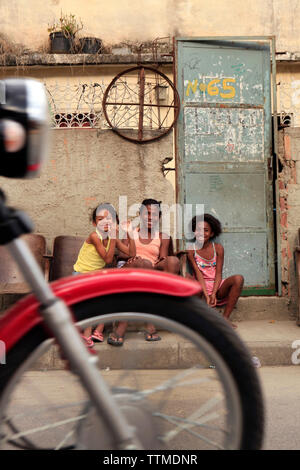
point(207, 266)
point(148, 251)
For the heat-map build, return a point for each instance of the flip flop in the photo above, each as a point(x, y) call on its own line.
point(116, 341)
point(88, 341)
point(150, 336)
point(98, 337)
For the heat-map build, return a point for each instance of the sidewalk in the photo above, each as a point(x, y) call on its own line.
point(270, 340)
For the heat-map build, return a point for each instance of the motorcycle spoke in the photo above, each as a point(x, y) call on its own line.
point(194, 416)
point(42, 428)
point(38, 411)
point(186, 427)
point(59, 446)
point(169, 384)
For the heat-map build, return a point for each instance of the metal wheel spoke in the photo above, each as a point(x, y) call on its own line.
point(170, 384)
point(179, 428)
point(195, 416)
point(43, 428)
point(38, 411)
point(194, 423)
point(65, 439)
point(26, 442)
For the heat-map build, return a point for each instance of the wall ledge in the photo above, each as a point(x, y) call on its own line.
point(39, 59)
point(283, 57)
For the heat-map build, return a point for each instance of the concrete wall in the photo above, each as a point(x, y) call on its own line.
point(288, 90)
point(289, 202)
point(86, 167)
point(27, 20)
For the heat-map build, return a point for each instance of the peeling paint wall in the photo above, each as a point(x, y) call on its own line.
point(27, 20)
point(288, 91)
point(87, 166)
point(289, 205)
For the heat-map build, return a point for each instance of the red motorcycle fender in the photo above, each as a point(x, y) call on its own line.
point(24, 315)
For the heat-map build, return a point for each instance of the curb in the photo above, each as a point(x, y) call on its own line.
point(272, 342)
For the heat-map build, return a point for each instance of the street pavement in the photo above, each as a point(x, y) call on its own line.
point(281, 388)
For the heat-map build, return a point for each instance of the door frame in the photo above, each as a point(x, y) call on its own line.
point(276, 217)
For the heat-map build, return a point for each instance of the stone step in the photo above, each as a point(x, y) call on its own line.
point(262, 308)
point(248, 308)
point(272, 341)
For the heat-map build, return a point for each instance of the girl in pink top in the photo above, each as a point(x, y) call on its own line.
point(207, 260)
point(152, 252)
point(148, 251)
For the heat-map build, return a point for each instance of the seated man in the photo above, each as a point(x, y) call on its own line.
point(152, 248)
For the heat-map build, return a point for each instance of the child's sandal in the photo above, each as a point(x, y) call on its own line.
point(115, 340)
point(152, 336)
point(98, 337)
point(88, 341)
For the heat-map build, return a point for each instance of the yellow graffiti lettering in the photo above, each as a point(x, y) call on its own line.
point(227, 90)
point(213, 90)
point(192, 86)
point(231, 93)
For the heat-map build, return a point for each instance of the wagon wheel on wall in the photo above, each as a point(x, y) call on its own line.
point(141, 104)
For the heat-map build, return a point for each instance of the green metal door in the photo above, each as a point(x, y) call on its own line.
point(224, 149)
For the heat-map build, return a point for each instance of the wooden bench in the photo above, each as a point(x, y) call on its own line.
point(55, 266)
point(11, 279)
point(65, 253)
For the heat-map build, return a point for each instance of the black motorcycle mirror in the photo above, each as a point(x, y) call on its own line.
point(24, 121)
point(23, 146)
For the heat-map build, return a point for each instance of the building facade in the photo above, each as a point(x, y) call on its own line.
point(88, 162)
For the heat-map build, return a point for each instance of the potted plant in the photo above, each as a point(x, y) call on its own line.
point(90, 45)
point(62, 34)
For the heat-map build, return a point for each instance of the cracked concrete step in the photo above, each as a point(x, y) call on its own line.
point(275, 343)
point(248, 308)
point(262, 308)
point(271, 341)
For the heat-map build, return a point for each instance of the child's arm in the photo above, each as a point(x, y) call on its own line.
point(123, 248)
point(107, 256)
point(127, 248)
point(164, 247)
point(218, 278)
point(199, 276)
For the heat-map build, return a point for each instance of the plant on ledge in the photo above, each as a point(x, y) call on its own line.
point(63, 32)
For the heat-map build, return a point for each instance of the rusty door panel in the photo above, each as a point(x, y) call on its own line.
point(223, 146)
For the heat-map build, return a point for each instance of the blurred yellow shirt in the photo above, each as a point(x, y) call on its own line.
point(89, 258)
